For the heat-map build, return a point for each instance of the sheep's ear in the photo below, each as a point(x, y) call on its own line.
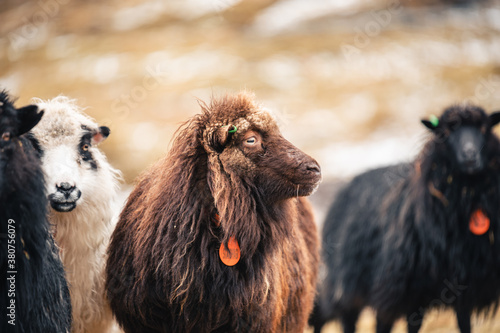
point(494, 118)
point(28, 118)
point(432, 124)
point(221, 136)
point(100, 135)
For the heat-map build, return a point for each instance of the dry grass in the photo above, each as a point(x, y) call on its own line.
point(434, 322)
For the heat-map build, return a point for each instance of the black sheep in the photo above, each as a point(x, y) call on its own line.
point(34, 296)
point(407, 238)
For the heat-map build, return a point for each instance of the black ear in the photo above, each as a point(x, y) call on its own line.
point(100, 135)
point(428, 124)
point(221, 136)
point(432, 124)
point(28, 118)
point(494, 118)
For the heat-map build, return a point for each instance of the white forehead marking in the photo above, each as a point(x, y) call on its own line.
point(62, 121)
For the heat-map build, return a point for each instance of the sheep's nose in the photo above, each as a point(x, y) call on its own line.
point(470, 152)
point(65, 188)
point(313, 168)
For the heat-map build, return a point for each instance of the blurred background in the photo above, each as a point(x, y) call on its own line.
point(348, 79)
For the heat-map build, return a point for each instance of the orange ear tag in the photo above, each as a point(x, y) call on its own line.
point(216, 220)
point(479, 223)
point(231, 255)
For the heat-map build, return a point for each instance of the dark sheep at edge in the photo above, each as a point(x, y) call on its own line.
point(34, 295)
point(410, 237)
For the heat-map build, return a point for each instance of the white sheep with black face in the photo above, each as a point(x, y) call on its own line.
point(82, 189)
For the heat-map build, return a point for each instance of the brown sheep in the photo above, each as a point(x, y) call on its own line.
point(230, 177)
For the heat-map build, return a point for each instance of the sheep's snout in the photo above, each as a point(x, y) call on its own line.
point(468, 145)
point(301, 169)
point(309, 175)
point(471, 157)
point(65, 197)
point(312, 168)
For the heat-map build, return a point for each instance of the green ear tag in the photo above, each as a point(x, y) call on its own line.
point(434, 120)
point(233, 130)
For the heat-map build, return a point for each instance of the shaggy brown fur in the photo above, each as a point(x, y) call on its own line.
point(164, 272)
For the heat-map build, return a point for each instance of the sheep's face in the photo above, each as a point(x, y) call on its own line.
point(13, 123)
point(72, 169)
point(282, 170)
point(260, 156)
point(464, 134)
point(467, 145)
point(68, 141)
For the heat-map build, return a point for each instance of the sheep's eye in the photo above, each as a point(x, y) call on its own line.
point(6, 136)
point(85, 147)
point(251, 140)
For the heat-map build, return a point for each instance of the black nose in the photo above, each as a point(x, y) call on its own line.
point(65, 188)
